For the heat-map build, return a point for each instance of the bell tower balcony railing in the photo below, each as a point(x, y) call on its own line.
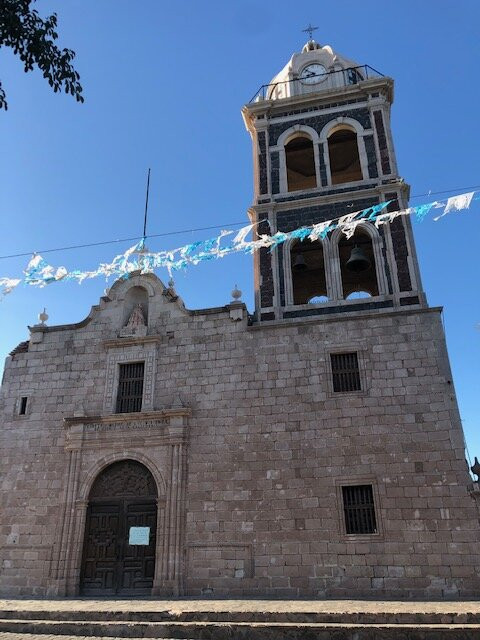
point(338, 78)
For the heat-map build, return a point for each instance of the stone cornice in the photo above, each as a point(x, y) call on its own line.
point(132, 340)
point(337, 317)
point(269, 107)
point(318, 198)
point(129, 417)
point(147, 428)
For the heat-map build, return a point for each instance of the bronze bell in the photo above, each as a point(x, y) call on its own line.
point(299, 263)
point(358, 261)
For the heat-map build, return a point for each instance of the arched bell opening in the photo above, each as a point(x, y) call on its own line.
point(300, 164)
point(120, 532)
point(308, 273)
point(344, 157)
point(357, 264)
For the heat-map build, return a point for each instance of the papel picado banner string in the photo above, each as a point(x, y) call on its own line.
point(39, 273)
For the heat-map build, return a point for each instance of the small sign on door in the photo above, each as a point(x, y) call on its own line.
point(139, 535)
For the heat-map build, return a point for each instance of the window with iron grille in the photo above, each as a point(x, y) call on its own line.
point(359, 509)
point(130, 387)
point(345, 371)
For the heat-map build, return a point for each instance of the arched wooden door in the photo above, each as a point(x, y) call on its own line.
point(119, 544)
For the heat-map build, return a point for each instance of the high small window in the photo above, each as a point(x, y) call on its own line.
point(359, 509)
point(300, 162)
point(22, 410)
point(344, 158)
point(130, 387)
point(345, 372)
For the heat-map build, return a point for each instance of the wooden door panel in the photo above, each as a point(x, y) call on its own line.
point(122, 496)
point(100, 552)
point(138, 566)
point(110, 564)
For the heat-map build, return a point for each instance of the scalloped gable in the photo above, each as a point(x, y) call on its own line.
point(110, 305)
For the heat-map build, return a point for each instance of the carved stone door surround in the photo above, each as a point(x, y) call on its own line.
point(157, 439)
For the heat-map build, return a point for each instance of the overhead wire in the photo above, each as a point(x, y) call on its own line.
point(132, 239)
point(184, 231)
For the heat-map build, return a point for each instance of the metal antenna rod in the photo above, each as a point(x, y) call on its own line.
point(146, 206)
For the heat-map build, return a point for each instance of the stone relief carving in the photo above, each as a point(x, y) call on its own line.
point(136, 324)
point(124, 478)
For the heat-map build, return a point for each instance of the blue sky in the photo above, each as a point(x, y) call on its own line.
point(164, 84)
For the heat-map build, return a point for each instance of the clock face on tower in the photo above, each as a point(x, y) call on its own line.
point(313, 73)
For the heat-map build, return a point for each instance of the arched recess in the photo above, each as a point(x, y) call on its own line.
point(106, 461)
point(299, 161)
point(306, 270)
point(148, 281)
point(136, 296)
point(372, 280)
point(345, 156)
point(119, 546)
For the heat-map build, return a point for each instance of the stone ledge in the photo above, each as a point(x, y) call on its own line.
point(337, 317)
point(152, 428)
point(129, 417)
point(133, 340)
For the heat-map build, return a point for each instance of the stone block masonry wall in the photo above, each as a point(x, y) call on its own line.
point(268, 455)
point(269, 446)
point(58, 376)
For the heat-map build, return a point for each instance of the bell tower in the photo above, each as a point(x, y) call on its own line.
point(322, 148)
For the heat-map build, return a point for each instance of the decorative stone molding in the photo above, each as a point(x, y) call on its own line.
point(133, 352)
point(160, 427)
point(132, 341)
point(350, 123)
point(284, 138)
point(165, 433)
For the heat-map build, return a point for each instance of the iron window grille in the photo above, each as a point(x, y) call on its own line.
point(359, 509)
point(345, 372)
point(130, 387)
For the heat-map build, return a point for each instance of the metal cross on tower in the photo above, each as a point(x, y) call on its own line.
point(309, 30)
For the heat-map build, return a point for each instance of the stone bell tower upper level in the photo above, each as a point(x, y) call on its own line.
point(315, 68)
point(322, 148)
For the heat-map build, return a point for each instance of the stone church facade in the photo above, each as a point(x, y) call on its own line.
point(310, 449)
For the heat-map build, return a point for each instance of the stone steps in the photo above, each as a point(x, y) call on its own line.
point(446, 617)
point(81, 619)
point(222, 630)
point(5, 635)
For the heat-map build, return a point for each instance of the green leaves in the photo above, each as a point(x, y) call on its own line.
point(32, 39)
